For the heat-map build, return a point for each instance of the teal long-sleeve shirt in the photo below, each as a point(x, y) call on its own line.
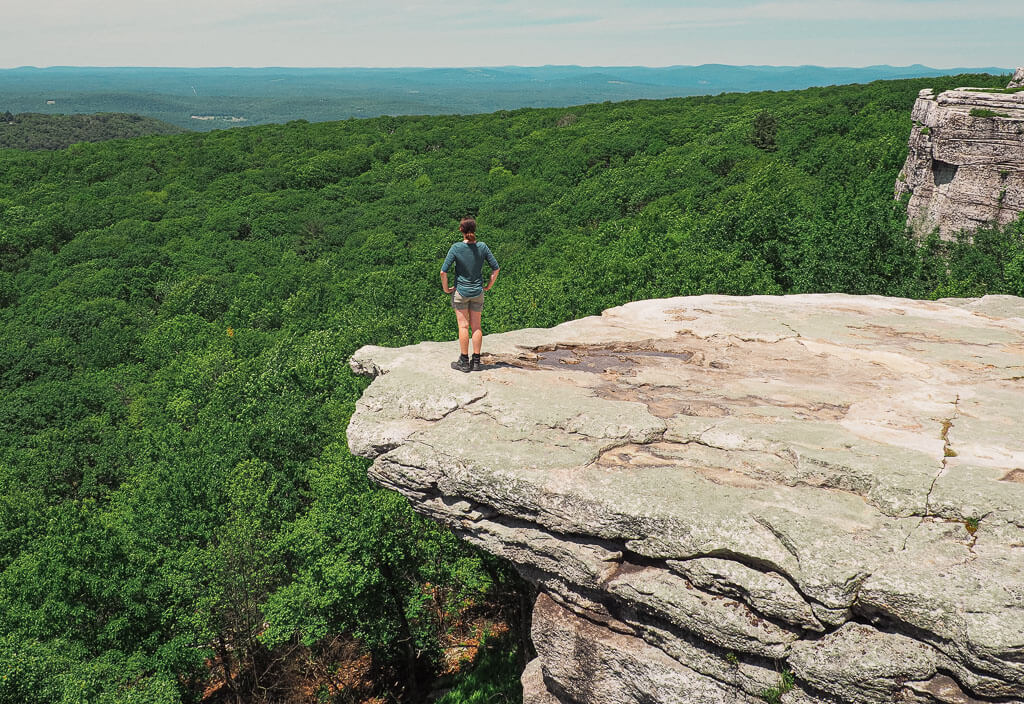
point(469, 265)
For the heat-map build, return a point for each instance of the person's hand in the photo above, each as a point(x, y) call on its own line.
point(449, 290)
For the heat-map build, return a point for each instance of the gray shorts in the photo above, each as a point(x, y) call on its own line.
point(474, 303)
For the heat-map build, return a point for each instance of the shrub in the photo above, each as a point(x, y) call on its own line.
point(985, 112)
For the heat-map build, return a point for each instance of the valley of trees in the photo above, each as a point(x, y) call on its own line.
point(273, 95)
point(180, 518)
point(30, 130)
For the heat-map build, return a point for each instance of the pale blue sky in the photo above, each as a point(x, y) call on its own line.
point(938, 33)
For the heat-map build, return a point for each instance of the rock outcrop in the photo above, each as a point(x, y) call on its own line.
point(965, 167)
point(723, 500)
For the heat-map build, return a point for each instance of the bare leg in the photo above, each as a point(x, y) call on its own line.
point(463, 317)
point(478, 334)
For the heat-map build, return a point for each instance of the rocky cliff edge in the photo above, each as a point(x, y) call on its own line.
point(713, 492)
point(965, 161)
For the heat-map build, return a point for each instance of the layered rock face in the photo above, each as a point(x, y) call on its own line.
point(722, 499)
point(965, 167)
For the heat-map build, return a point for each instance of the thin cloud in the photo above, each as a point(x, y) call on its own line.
point(413, 32)
point(799, 11)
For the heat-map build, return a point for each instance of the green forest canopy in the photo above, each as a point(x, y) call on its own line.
point(32, 131)
point(177, 315)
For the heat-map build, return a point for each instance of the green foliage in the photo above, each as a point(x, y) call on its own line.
point(985, 112)
point(764, 129)
point(786, 683)
point(33, 131)
point(493, 678)
point(990, 261)
point(178, 312)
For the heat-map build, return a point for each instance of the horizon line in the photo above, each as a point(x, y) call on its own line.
point(494, 66)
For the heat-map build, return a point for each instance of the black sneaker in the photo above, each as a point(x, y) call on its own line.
point(474, 363)
point(462, 364)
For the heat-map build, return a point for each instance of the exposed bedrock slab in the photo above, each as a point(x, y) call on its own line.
point(965, 165)
point(711, 490)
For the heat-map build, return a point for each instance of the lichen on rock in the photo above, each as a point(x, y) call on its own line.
point(711, 491)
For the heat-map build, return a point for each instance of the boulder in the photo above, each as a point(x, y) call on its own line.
point(713, 492)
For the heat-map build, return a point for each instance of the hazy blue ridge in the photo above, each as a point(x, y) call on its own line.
point(228, 97)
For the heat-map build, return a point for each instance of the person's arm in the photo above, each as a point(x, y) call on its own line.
point(493, 263)
point(444, 269)
point(494, 276)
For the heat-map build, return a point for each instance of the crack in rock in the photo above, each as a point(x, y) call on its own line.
point(947, 452)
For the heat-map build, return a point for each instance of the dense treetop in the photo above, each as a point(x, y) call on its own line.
point(32, 131)
point(177, 313)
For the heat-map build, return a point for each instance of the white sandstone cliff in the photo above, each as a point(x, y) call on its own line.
point(965, 166)
point(709, 491)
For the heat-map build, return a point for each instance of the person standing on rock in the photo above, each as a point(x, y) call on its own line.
point(468, 292)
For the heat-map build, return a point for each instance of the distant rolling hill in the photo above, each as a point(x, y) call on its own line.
point(211, 98)
point(35, 131)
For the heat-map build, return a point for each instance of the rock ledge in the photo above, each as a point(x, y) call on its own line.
point(965, 166)
point(710, 490)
